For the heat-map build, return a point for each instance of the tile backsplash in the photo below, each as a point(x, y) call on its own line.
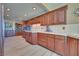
point(60, 29)
point(67, 29)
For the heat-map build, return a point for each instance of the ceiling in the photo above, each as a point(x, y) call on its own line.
point(23, 11)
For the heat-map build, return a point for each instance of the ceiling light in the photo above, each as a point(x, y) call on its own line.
point(8, 9)
point(25, 15)
point(7, 15)
point(34, 8)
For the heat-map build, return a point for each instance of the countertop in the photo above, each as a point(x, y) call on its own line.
point(64, 34)
point(74, 36)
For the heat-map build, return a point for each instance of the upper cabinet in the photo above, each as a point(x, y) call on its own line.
point(57, 16)
point(61, 14)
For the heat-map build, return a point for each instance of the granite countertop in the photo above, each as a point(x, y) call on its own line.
point(64, 34)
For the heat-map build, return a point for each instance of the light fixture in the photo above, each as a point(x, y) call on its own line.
point(7, 15)
point(25, 15)
point(8, 9)
point(34, 8)
point(76, 12)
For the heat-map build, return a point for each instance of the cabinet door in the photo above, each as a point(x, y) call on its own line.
point(61, 16)
point(34, 38)
point(72, 44)
point(78, 47)
point(46, 19)
point(55, 17)
point(59, 45)
point(42, 40)
point(42, 21)
point(51, 18)
point(51, 43)
point(29, 37)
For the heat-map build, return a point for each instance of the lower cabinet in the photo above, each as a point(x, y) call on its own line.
point(34, 38)
point(72, 46)
point(42, 40)
point(51, 42)
point(42, 43)
point(78, 47)
point(18, 33)
point(23, 34)
point(30, 37)
point(59, 44)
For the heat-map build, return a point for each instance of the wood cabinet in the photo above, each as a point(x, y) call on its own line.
point(28, 37)
point(61, 14)
point(57, 16)
point(72, 46)
point(78, 46)
point(18, 33)
point(42, 40)
point(34, 38)
point(59, 44)
point(46, 19)
point(51, 42)
point(23, 34)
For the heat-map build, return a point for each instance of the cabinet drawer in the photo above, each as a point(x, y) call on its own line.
point(50, 35)
point(59, 37)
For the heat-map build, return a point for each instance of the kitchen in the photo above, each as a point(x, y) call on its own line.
point(52, 26)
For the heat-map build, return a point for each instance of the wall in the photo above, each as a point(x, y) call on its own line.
point(69, 29)
point(1, 30)
point(71, 18)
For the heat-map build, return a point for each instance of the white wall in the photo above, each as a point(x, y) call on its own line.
point(69, 29)
point(71, 17)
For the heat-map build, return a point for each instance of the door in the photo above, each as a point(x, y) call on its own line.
point(1, 30)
